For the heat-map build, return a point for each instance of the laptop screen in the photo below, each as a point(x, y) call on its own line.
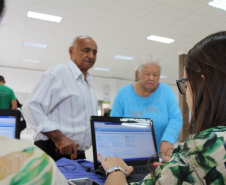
point(127, 138)
point(8, 126)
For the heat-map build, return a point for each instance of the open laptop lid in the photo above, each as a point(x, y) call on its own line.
point(131, 139)
point(9, 123)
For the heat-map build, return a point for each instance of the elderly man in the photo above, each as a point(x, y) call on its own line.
point(59, 107)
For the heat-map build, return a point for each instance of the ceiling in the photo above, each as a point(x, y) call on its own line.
point(120, 27)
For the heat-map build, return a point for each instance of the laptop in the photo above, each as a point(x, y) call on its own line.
point(131, 139)
point(9, 123)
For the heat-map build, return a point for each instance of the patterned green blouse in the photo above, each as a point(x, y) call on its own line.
point(22, 163)
point(201, 159)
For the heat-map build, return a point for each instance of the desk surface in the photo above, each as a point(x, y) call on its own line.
point(79, 171)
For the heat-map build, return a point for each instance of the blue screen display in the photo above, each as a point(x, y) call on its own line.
point(7, 126)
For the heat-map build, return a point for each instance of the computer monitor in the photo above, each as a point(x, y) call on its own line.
point(9, 123)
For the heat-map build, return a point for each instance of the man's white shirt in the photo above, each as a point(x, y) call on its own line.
point(62, 100)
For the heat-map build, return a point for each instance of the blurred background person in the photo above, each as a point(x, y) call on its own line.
point(147, 98)
point(20, 162)
point(107, 112)
point(7, 96)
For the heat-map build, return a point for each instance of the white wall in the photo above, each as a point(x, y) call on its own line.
point(22, 82)
point(21, 96)
point(115, 85)
point(175, 90)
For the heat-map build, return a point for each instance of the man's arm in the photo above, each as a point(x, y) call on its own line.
point(13, 100)
point(13, 104)
point(43, 98)
point(64, 144)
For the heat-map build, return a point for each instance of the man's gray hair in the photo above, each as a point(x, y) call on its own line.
point(76, 39)
point(147, 59)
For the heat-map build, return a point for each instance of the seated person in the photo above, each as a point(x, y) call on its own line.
point(23, 163)
point(201, 158)
point(147, 98)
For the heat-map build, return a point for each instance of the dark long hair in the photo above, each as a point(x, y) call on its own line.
point(2, 7)
point(205, 66)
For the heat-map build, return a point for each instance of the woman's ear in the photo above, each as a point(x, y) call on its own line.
point(203, 77)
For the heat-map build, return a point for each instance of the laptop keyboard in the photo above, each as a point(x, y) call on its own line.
point(101, 171)
point(142, 169)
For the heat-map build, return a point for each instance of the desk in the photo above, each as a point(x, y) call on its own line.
point(79, 172)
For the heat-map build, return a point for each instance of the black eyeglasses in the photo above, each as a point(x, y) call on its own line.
point(182, 87)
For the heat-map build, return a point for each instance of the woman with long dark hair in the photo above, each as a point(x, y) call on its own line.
point(2, 6)
point(201, 159)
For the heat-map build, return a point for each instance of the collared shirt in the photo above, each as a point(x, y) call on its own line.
point(62, 100)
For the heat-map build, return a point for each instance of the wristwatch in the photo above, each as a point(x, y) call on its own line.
point(115, 168)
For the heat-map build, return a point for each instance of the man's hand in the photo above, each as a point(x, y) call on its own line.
point(63, 144)
point(166, 149)
point(66, 147)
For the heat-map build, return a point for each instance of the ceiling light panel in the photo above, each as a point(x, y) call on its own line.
point(160, 39)
point(28, 60)
point(163, 76)
point(44, 17)
point(35, 45)
point(123, 57)
point(101, 69)
point(221, 4)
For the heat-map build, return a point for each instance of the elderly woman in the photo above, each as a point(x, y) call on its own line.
point(201, 158)
point(147, 98)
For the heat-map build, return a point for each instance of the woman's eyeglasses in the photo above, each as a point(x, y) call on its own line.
point(182, 87)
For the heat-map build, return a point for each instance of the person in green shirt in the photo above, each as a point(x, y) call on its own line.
point(7, 96)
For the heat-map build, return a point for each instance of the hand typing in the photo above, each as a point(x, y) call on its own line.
point(113, 161)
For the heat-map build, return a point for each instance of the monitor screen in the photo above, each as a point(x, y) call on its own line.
point(8, 126)
point(129, 141)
